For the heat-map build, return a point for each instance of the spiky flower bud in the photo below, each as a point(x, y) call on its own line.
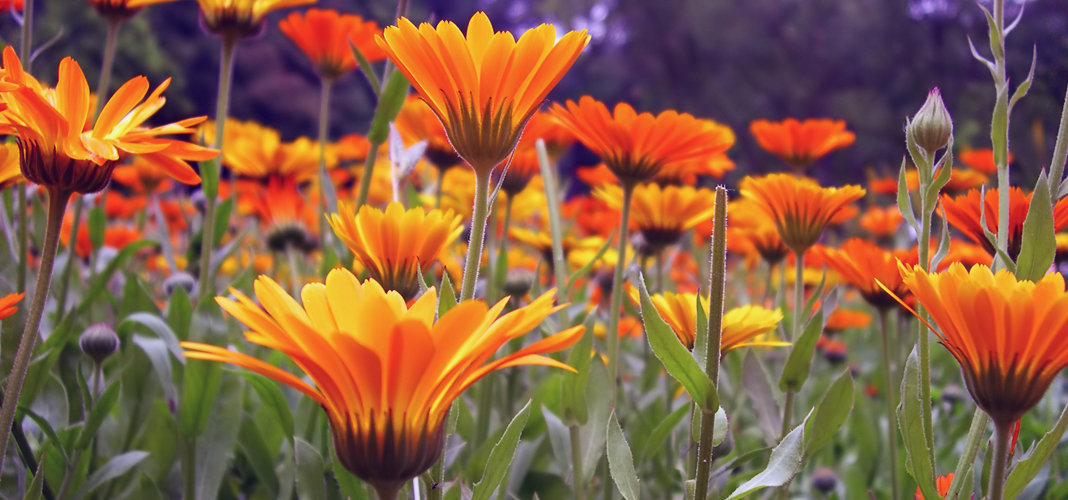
point(932, 126)
point(99, 342)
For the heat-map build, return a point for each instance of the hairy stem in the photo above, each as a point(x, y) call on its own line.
point(891, 405)
point(576, 464)
point(617, 293)
point(105, 67)
point(1002, 435)
point(478, 233)
point(226, 73)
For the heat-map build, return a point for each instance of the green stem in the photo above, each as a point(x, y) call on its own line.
point(971, 449)
point(24, 235)
point(226, 74)
point(921, 329)
point(68, 266)
point(716, 291)
point(441, 181)
point(799, 296)
point(552, 199)
point(484, 411)
point(294, 271)
point(617, 293)
point(787, 412)
point(891, 405)
point(26, 47)
point(57, 205)
point(1060, 152)
point(105, 67)
point(368, 175)
point(1002, 435)
point(576, 464)
point(478, 231)
point(324, 136)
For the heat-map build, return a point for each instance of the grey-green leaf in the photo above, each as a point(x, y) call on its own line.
point(1029, 466)
point(784, 463)
point(620, 461)
point(389, 104)
point(1039, 243)
point(910, 420)
point(500, 458)
point(831, 413)
point(114, 468)
point(799, 362)
point(101, 408)
point(272, 397)
point(310, 477)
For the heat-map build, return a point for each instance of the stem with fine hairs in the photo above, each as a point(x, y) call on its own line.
point(226, 74)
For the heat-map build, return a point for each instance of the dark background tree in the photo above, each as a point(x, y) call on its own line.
point(869, 62)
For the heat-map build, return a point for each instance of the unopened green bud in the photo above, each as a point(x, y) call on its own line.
point(99, 342)
point(932, 126)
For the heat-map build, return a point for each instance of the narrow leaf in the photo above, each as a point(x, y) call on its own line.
point(271, 397)
point(831, 413)
point(621, 462)
point(799, 362)
point(1030, 465)
point(761, 396)
point(500, 458)
point(446, 296)
point(910, 420)
point(389, 104)
point(1039, 243)
point(114, 468)
point(101, 408)
point(784, 463)
point(310, 471)
point(36, 487)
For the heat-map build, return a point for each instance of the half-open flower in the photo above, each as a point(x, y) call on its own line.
point(860, 263)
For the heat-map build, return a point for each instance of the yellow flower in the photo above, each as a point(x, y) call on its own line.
point(662, 215)
point(256, 152)
point(121, 10)
point(386, 373)
point(741, 325)
point(396, 245)
point(483, 87)
point(236, 19)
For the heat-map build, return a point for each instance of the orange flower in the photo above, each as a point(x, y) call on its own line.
point(118, 206)
point(256, 152)
point(980, 159)
point(8, 305)
point(116, 237)
point(417, 122)
point(483, 87)
point(385, 372)
point(544, 125)
point(65, 153)
point(352, 148)
point(742, 326)
point(121, 10)
point(236, 19)
point(637, 146)
point(287, 219)
point(964, 213)
point(800, 144)
point(942, 483)
point(522, 167)
point(844, 319)
point(592, 216)
point(800, 208)
point(662, 214)
point(1010, 337)
point(963, 179)
point(881, 222)
point(142, 177)
point(10, 174)
point(324, 34)
point(860, 262)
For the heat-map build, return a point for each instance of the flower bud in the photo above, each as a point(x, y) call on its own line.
point(99, 342)
point(518, 282)
point(824, 480)
point(932, 126)
point(178, 280)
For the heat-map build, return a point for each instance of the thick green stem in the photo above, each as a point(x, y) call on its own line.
point(787, 413)
point(1002, 435)
point(478, 232)
point(921, 329)
point(617, 293)
point(891, 405)
point(57, 205)
point(105, 67)
point(226, 73)
point(716, 291)
point(368, 175)
point(576, 464)
point(971, 449)
point(999, 130)
point(68, 266)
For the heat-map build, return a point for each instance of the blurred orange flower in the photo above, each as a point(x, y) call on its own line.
point(801, 208)
point(324, 36)
point(798, 143)
point(860, 262)
point(965, 211)
point(880, 221)
point(236, 19)
point(118, 10)
point(8, 305)
point(662, 215)
point(980, 159)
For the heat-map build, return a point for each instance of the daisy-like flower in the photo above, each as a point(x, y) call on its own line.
point(385, 372)
point(544, 125)
point(237, 19)
point(860, 262)
point(8, 304)
point(256, 152)
point(881, 222)
point(980, 159)
point(65, 153)
point(662, 215)
point(845, 319)
point(397, 244)
point(636, 146)
point(10, 173)
point(324, 35)
point(801, 208)
point(741, 325)
point(485, 86)
point(798, 143)
point(966, 211)
point(142, 177)
point(1009, 336)
point(121, 10)
point(288, 220)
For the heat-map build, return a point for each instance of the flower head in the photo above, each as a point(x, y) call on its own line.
point(63, 151)
point(397, 244)
point(237, 19)
point(980, 159)
point(8, 305)
point(860, 263)
point(636, 146)
point(324, 35)
point(883, 222)
point(485, 86)
point(662, 215)
point(932, 127)
point(385, 372)
point(741, 325)
point(800, 144)
point(966, 211)
point(1009, 336)
point(256, 152)
point(289, 222)
point(801, 208)
point(121, 10)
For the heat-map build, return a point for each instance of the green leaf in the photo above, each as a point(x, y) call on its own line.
point(831, 413)
point(96, 289)
point(271, 397)
point(200, 384)
point(910, 420)
point(799, 363)
point(573, 385)
point(446, 296)
point(676, 358)
point(101, 408)
point(48, 430)
point(500, 458)
point(904, 201)
point(784, 463)
point(114, 468)
point(389, 104)
point(943, 242)
point(365, 65)
point(939, 182)
point(214, 447)
point(1039, 243)
point(582, 271)
point(36, 487)
point(758, 387)
point(157, 326)
point(1029, 466)
point(660, 433)
point(260, 459)
point(621, 462)
point(180, 313)
point(222, 219)
point(209, 177)
point(720, 427)
point(97, 223)
point(156, 352)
